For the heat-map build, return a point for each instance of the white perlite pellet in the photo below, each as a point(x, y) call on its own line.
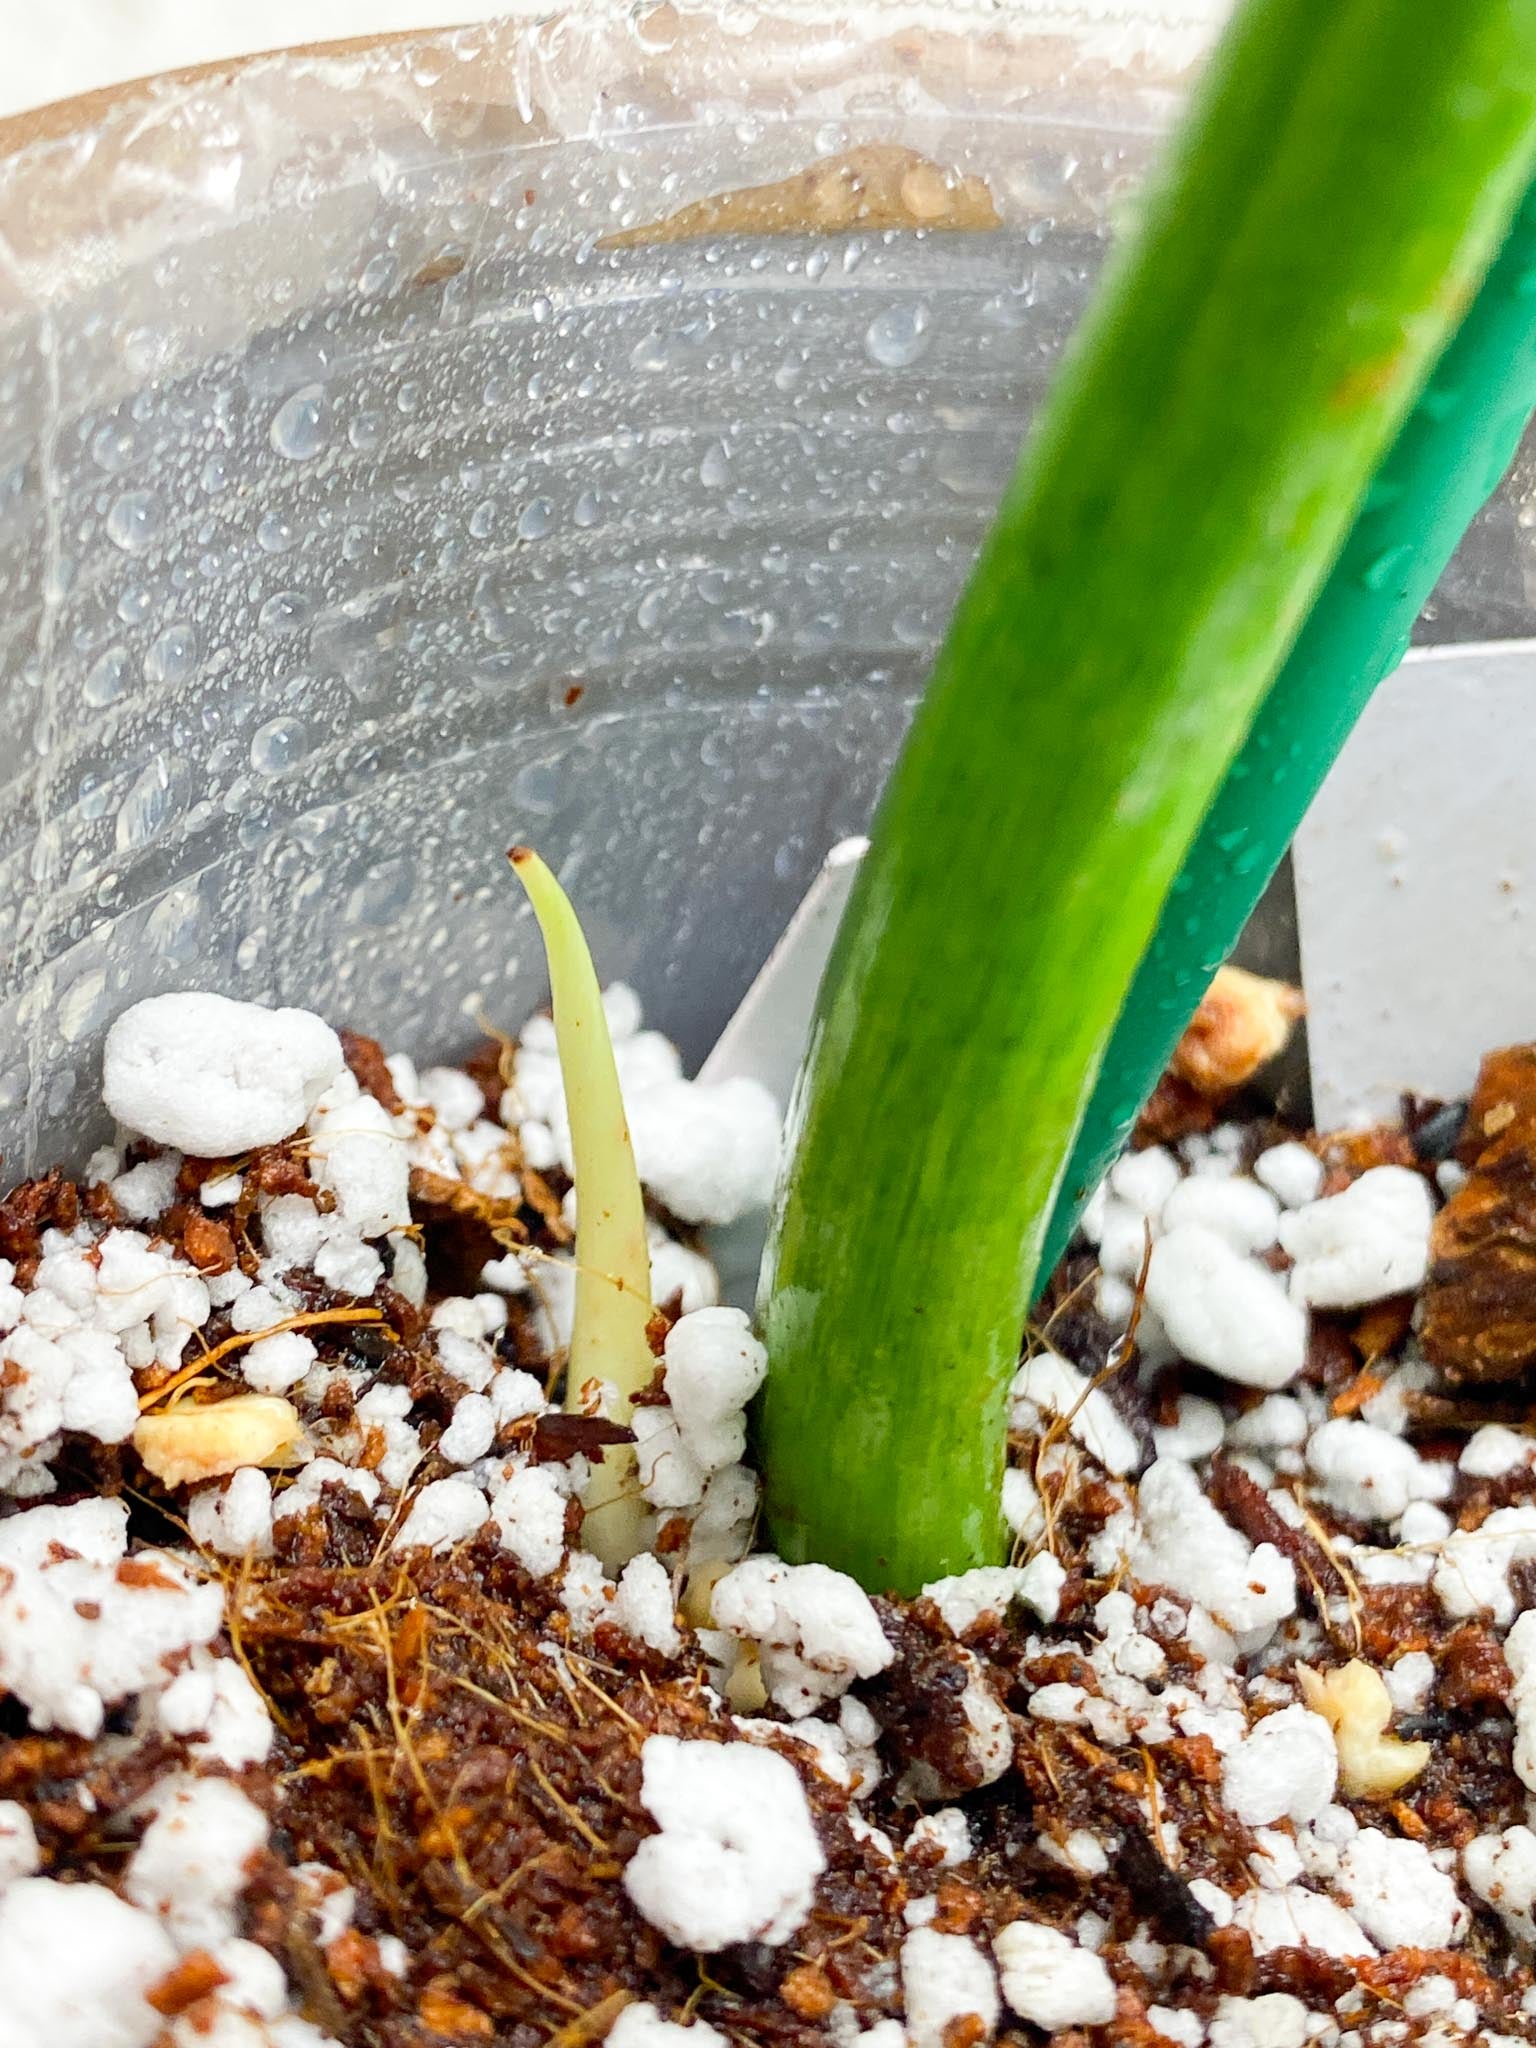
point(945, 1977)
point(214, 1077)
point(1050, 1981)
point(736, 1858)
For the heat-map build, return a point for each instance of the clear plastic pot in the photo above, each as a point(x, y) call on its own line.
point(360, 511)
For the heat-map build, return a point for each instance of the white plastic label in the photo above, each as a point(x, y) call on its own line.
point(1415, 873)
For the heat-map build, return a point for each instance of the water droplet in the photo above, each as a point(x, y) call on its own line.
point(366, 431)
point(482, 521)
point(536, 789)
point(312, 829)
point(154, 797)
point(135, 521)
point(649, 611)
point(816, 264)
point(715, 469)
point(408, 397)
point(897, 337)
point(214, 475)
point(584, 511)
point(106, 679)
point(250, 949)
point(651, 352)
point(379, 273)
point(172, 655)
point(277, 745)
point(301, 425)
point(655, 29)
point(173, 926)
point(276, 534)
point(82, 1007)
point(93, 798)
point(286, 611)
point(133, 604)
point(382, 893)
point(47, 854)
point(535, 520)
point(114, 446)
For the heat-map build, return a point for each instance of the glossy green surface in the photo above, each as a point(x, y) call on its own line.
point(1453, 448)
point(1329, 207)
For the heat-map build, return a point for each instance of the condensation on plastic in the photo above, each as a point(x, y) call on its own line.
point(359, 514)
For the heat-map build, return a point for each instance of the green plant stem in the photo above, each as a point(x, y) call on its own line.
point(1331, 204)
point(613, 1260)
point(1455, 445)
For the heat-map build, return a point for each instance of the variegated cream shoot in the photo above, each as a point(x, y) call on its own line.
point(613, 1265)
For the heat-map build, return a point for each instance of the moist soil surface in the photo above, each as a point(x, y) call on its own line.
point(457, 1745)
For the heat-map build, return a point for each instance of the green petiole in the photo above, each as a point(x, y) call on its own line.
point(1455, 445)
point(1329, 208)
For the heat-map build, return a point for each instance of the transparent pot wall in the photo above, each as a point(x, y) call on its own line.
point(361, 511)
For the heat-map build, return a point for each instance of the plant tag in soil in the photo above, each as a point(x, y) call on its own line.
point(766, 1036)
point(1414, 874)
point(1416, 885)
